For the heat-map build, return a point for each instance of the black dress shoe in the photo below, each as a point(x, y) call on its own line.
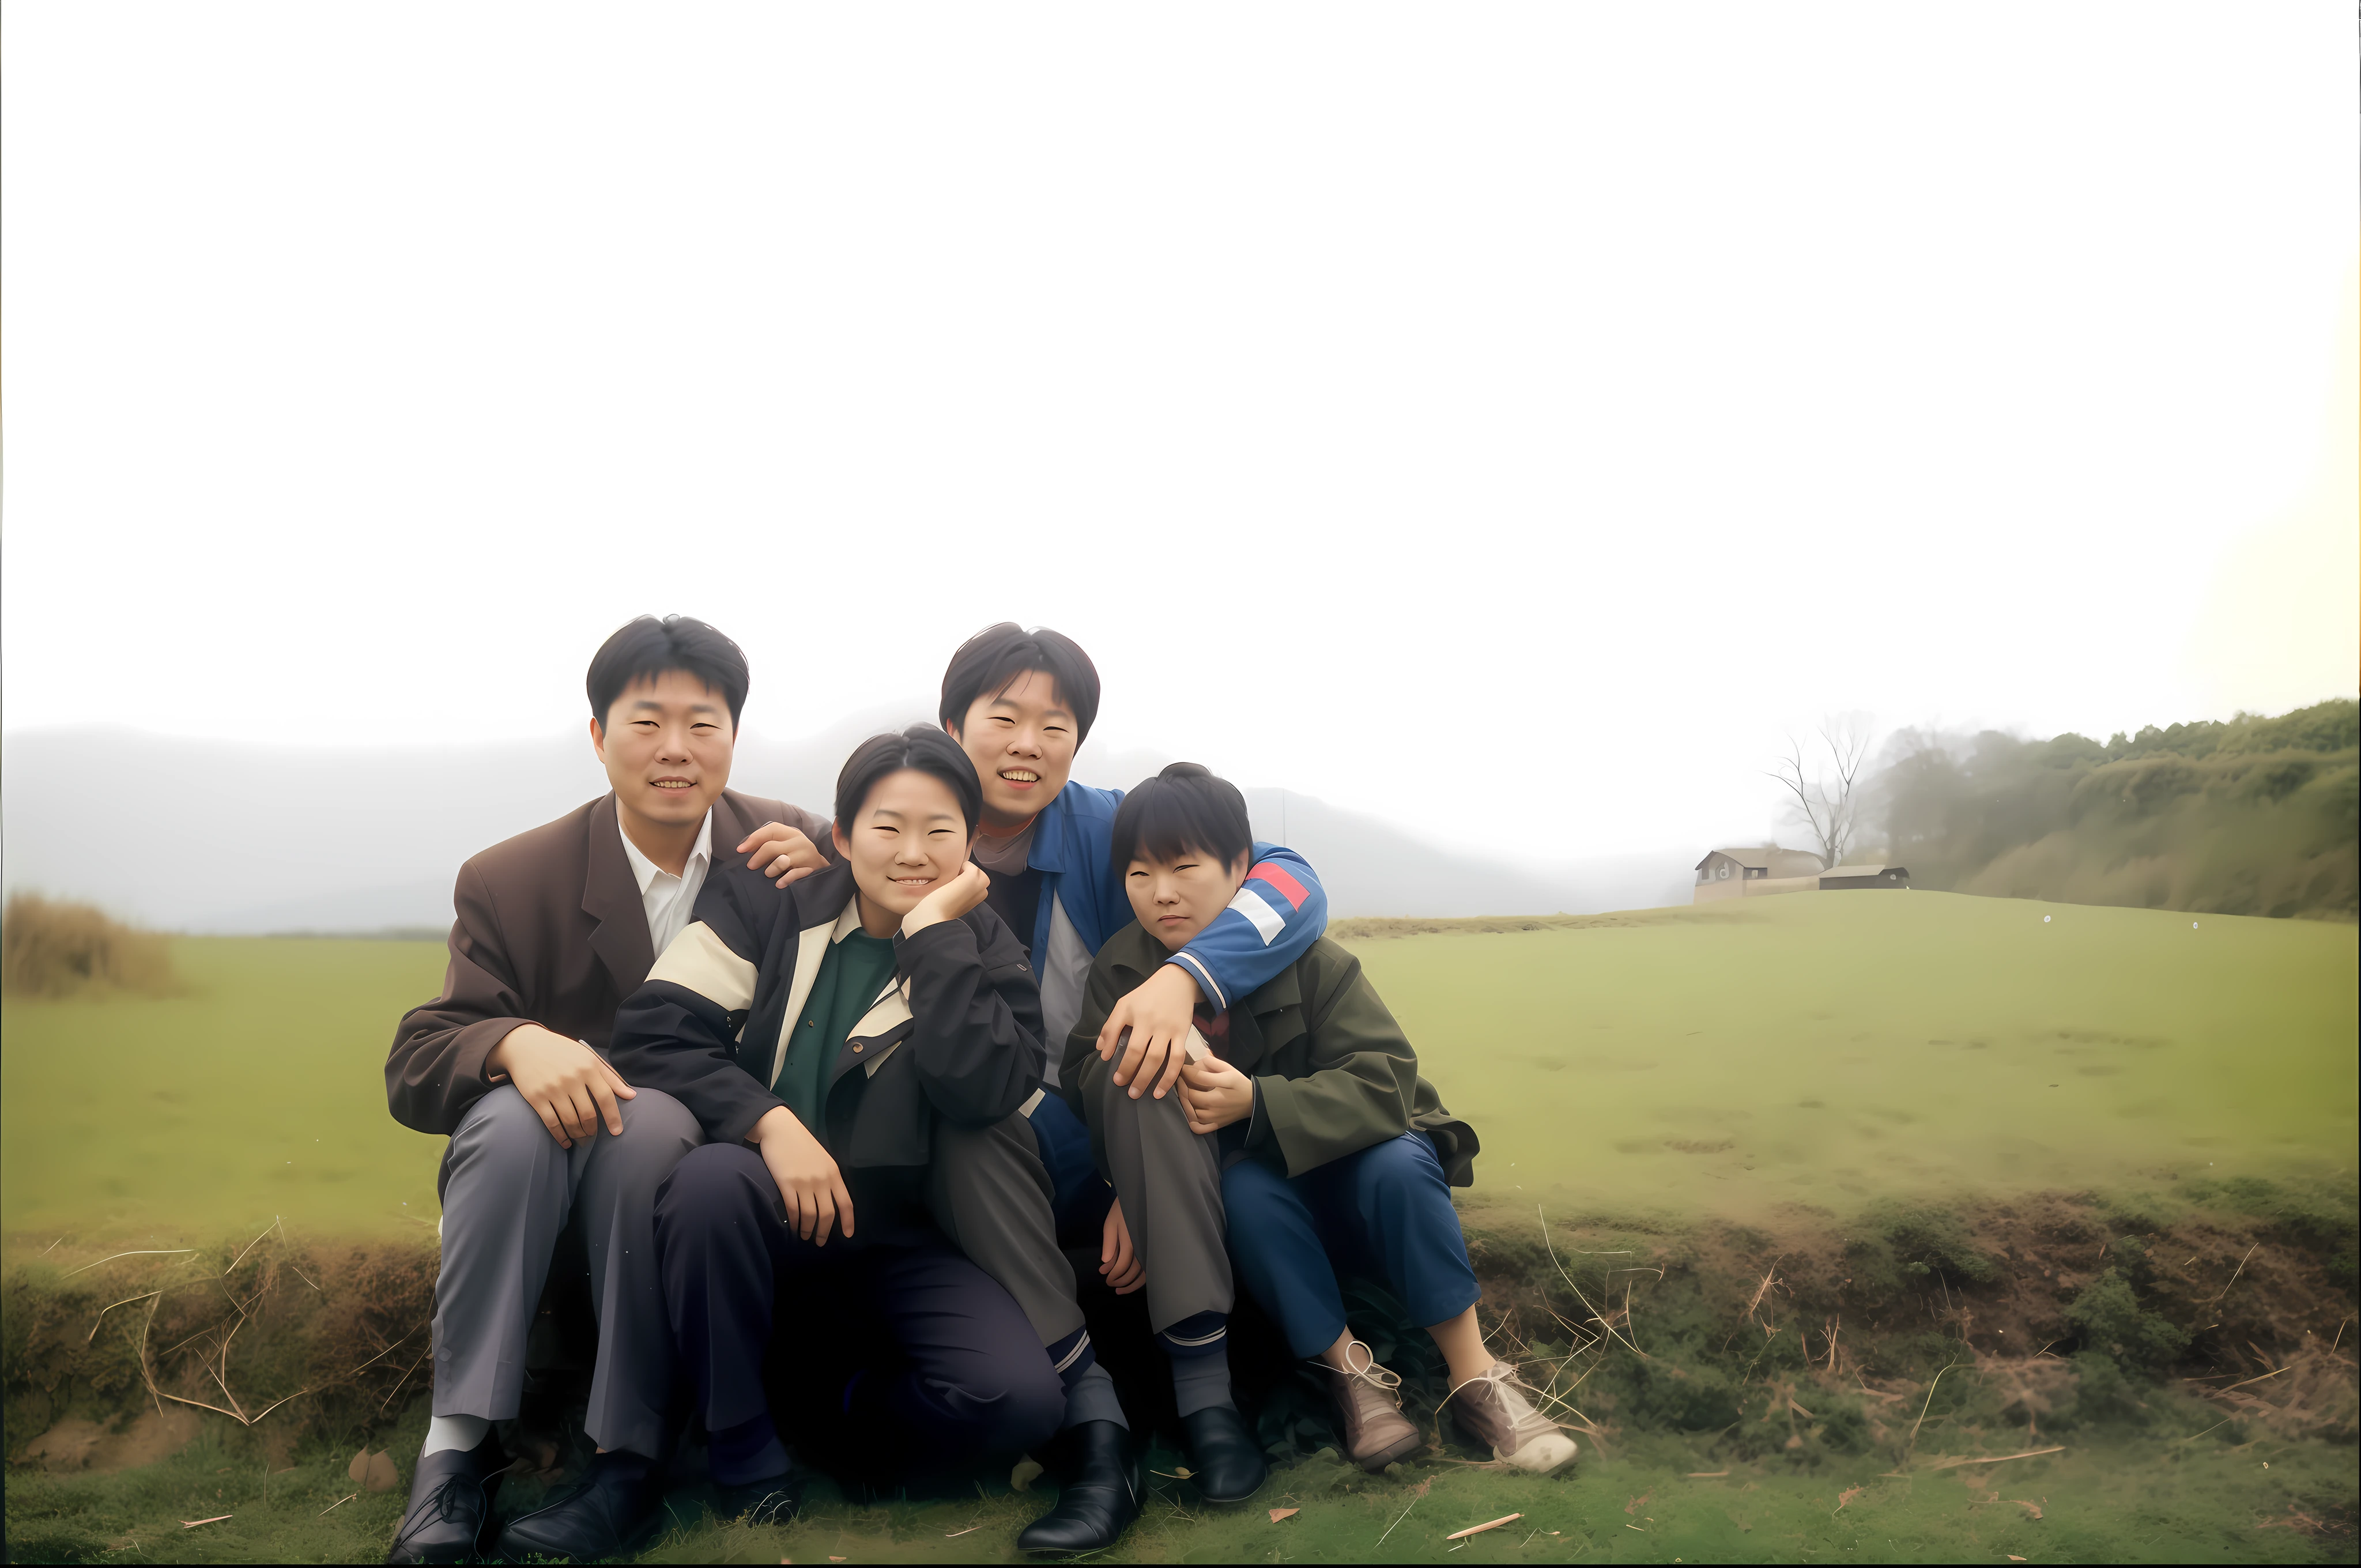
point(1099, 1498)
point(450, 1505)
point(612, 1513)
point(1228, 1465)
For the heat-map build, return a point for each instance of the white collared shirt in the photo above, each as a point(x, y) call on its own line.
point(669, 899)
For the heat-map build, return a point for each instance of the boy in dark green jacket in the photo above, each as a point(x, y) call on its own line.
point(1307, 1123)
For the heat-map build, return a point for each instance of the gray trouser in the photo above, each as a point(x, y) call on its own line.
point(509, 1194)
point(986, 1188)
point(1169, 1180)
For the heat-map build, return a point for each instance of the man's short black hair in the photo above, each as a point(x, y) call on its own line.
point(1183, 811)
point(922, 748)
point(989, 663)
point(645, 648)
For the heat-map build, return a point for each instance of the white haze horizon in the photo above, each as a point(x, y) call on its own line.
point(1503, 426)
point(365, 839)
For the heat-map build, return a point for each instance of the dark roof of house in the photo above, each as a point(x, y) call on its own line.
point(1776, 860)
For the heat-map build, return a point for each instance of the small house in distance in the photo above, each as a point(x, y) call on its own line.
point(1748, 874)
point(1864, 876)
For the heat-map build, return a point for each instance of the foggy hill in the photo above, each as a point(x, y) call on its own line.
point(213, 835)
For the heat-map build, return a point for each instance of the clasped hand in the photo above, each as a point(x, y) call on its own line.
point(1213, 1094)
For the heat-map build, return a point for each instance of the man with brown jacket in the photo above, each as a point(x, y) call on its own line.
point(555, 927)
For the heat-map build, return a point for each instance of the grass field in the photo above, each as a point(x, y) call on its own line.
point(261, 1093)
point(1830, 1049)
point(1822, 1048)
point(1795, 1059)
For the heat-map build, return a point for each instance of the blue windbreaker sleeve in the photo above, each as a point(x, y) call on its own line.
point(1273, 921)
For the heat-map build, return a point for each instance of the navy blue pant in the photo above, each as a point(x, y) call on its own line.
point(895, 1360)
point(1385, 1210)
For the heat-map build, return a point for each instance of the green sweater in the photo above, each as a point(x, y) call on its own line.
point(1333, 1073)
point(851, 978)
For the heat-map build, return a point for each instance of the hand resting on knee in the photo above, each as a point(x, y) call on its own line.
point(563, 1080)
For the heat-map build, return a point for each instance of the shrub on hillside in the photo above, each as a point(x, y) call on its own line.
point(2252, 817)
point(2109, 1317)
point(52, 948)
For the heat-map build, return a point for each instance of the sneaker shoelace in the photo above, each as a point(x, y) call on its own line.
point(1524, 1420)
point(1378, 1377)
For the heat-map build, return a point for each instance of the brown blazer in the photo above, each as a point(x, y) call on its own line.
point(550, 930)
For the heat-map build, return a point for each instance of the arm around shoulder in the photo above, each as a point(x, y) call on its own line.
point(679, 1032)
point(1275, 918)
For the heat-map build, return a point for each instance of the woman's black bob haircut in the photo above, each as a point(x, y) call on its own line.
point(989, 663)
point(921, 748)
point(645, 648)
point(1183, 811)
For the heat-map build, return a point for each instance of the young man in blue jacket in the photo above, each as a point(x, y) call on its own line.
point(1020, 702)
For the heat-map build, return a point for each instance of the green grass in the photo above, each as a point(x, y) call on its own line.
point(1824, 1048)
point(2207, 1501)
point(259, 1095)
point(1837, 1048)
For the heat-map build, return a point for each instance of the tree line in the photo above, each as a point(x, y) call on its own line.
point(2251, 815)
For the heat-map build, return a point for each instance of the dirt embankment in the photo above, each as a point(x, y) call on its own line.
point(1910, 1331)
point(1978, 1325)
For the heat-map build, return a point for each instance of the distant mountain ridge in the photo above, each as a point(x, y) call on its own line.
point(208, 836)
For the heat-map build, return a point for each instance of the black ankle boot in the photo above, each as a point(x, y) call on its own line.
point(450, 1507)
point(612, 1513)
point(1097, 1498)
point(1228, 1465)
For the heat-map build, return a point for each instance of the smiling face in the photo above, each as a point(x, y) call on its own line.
point(665, 746)
point(1022, 743)
point(1176, 899)
point(907, 839)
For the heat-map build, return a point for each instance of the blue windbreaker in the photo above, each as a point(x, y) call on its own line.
point(1272, 922)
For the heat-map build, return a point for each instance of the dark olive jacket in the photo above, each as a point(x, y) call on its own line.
point(1333, 1073)
point(550, 930)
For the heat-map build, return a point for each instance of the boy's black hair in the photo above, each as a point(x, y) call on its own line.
point(1183, 810)
point(644, 648)
point(989, 663)
point(922, 748)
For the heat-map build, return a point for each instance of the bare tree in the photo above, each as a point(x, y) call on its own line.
point(1827, 803)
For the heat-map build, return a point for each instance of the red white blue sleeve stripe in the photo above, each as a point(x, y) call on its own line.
point(1279, 913)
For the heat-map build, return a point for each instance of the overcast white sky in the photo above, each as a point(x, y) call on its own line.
point(1389, 397)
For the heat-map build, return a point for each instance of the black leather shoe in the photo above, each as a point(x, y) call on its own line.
point(1098, 1499)
point(1227, 1463)
point(450, 1505)
point(773, 1500)
point(612, 1513)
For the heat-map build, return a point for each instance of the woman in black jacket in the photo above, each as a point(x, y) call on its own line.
point(823, 1038)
